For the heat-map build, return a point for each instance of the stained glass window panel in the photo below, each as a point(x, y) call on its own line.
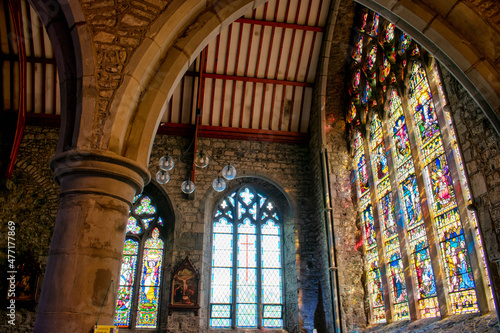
point(257, 265)
point(126, 285)
point(147, 308)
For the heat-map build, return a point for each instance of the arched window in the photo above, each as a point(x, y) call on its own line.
point(140, 276)
point(411, 182)
point(246, 286)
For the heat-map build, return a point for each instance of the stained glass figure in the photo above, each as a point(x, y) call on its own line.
point(126, 285)
point(251, 252)
point(389, 33)
point(147, 308)
point(357, 52)
point(442, 195)
point(143, 265)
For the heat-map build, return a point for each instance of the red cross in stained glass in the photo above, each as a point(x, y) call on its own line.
point(247, 244)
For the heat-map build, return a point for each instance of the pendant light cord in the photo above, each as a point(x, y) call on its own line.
point(105, 298)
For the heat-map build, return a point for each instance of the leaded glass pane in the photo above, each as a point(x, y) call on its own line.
point(442, 196)
point(253, 211)
point(126, 285)
point(147, 308)
point(145, 207)
point(132, 226)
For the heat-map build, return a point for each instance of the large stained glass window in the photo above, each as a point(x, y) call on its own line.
point(246, 280)
point(418, 181)
point(140, 276)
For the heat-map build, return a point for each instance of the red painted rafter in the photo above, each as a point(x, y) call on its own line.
point(283, 25)
point(246, 134)
point(15, 9)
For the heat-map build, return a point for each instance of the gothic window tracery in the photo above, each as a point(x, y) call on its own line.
point(138, 299)
point(408, 182)
point(246, 287)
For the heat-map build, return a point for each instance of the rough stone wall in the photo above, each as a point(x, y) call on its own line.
point(480, 147)
point(281, 164)
point(346, 231)
point(117, 29)
point(30, 199)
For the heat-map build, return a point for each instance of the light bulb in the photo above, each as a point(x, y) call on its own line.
point(162, 177)
point(187, 187)
point(166, 163)
point(219, 184)
point(201, 159)
point(229, 172)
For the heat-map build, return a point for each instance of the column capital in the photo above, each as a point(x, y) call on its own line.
point(99, 172)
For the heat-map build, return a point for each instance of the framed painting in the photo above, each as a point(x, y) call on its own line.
point(185, 288)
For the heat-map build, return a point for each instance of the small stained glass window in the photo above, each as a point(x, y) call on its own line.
point(140, 275)
point(246, 282)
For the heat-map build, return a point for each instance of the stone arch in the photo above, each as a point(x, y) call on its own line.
point(156, 67)
point(459, 37)
point(68, 34)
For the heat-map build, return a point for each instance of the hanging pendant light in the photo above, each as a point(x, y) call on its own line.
point(188, 186)
point(166, 163)
point(219, 184)
point(162, 177)
point(201, 160)
point(229, 172)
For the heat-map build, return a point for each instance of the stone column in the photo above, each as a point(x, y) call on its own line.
point(97, 189)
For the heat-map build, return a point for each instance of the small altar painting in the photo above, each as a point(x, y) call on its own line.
point(185, 288)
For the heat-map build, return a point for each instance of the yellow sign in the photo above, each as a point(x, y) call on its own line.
point(105, 329)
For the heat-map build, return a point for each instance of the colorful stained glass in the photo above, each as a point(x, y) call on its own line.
point(366, 93)
point(442, 196)
point(404, 43)
point(389, 33)
point(385, 68)
point(357, 52)
point(399, 61)
point(126, 285)
point(352, 112)
point(145, 207)
point(373, 31)
point(371, 57)
point(144, 218)
point(250, 210)
point(132, 225)
point(149, 292)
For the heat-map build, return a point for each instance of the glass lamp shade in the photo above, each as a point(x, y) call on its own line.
point(162, 177)
point(166, 163)
point(229, 172)
point(201, 159)
point(187, 187)
point(219, 184)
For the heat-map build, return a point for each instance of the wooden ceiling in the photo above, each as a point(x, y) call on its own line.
point(255, 79)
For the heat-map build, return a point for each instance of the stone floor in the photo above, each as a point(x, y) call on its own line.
point(454, 324)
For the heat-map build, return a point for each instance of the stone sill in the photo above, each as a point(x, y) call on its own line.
point(459, 323)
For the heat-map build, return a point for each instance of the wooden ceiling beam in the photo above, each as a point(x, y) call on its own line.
point(283, 25)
